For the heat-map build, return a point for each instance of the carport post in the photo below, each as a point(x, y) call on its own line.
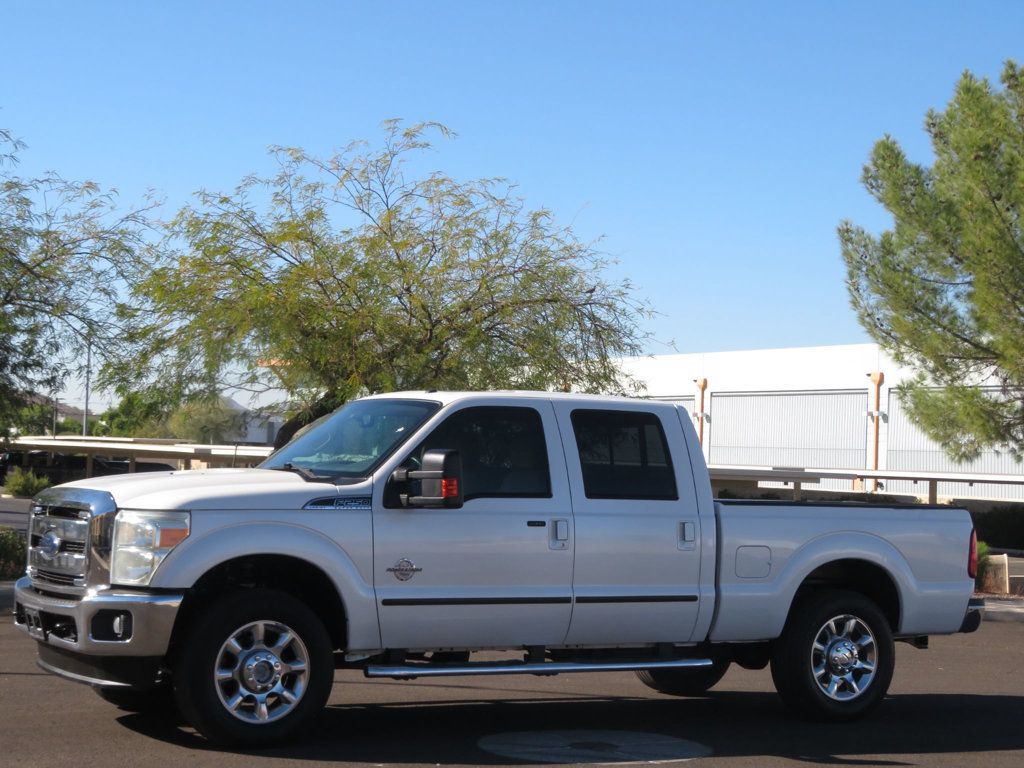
point(877, 378)
point(933, 491)
point(131, 463)
point(88, 465)
point(797, 487)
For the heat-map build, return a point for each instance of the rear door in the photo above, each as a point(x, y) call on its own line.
point(637, 565)
point(498, 571)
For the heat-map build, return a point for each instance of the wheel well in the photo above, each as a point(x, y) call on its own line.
point(299, 578)
point(869, 579)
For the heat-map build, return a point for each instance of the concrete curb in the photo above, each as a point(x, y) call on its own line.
point(1010, 552)
point(998, 609)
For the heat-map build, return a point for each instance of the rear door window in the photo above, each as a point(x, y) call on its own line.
point(624, 455)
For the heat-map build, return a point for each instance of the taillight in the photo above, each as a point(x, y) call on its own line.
point(972, 556)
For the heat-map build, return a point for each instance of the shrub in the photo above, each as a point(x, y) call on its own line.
point(28, 484)
point(12, 554)
point(979, 581)
point(1001, 527)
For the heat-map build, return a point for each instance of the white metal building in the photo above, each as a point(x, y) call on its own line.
point(810, 407)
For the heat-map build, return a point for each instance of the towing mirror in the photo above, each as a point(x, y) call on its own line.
point(440, 480)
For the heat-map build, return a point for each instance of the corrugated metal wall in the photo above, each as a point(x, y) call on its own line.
point(789, 429)
point(908, 448)
point(688, 402)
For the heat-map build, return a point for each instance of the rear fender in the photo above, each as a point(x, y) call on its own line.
point(757, 609)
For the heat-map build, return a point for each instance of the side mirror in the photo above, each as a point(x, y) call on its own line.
point(440, 480)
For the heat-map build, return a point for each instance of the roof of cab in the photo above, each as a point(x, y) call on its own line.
point(445, 397)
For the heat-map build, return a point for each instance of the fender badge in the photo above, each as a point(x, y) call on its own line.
point(404, 569)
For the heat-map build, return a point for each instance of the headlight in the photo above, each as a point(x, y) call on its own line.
point(141, 542)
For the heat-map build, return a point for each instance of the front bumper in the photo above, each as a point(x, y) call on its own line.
point(975, 613)
point(89, 625)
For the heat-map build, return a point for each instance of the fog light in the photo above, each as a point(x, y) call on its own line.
point(112, 626)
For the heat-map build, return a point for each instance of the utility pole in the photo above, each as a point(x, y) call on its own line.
point(55, 402)
point(88, 374)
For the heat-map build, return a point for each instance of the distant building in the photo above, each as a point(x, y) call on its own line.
point(809, 407)
point(258, 427)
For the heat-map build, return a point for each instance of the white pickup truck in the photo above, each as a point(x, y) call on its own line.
point(405, 533)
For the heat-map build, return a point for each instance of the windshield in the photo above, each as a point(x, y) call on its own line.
point(354, 440)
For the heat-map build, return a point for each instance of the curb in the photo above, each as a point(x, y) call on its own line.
point(997, 609)
point(1010, 552)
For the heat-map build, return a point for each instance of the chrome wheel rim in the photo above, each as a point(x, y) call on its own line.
point(261, 671)
point(843, 657)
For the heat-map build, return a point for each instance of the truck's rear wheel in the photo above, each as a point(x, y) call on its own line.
point(834, 660)
point(684, 682)
point(255, 667)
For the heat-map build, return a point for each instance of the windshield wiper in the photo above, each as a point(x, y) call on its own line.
point(302, 472)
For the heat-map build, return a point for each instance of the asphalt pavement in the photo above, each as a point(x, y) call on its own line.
point(961, 704)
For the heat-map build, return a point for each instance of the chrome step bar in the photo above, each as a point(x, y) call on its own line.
point(525, 668)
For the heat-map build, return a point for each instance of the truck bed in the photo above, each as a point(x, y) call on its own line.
point(766, 549)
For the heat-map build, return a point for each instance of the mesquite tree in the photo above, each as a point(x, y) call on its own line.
point(352, 274)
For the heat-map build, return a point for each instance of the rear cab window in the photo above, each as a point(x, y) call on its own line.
point(623, 455)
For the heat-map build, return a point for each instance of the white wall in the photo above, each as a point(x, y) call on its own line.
point(806, 406)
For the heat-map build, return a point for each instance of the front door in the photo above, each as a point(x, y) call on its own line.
point(497, 572)
point(637, 564)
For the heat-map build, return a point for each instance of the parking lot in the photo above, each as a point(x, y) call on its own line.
point(959, 704)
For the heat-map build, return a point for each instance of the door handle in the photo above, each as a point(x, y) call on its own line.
point(687, 535)
point(559, 534)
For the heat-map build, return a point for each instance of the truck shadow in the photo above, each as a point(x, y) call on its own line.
point(730, 724)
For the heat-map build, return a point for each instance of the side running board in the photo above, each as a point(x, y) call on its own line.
point(406, 671)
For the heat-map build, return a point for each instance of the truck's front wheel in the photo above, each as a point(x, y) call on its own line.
point(834, 660)
point(254, 668)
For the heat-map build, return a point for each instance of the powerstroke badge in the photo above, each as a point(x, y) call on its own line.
point(404, 569)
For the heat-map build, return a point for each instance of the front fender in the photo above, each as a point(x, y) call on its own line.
point(197, 555)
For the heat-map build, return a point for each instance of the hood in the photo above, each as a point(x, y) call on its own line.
point(252, 489)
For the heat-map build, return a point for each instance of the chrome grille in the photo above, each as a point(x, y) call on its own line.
point(68, 539)
point(55, 577)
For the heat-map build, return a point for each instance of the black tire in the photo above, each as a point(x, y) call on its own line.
point(155, 700)
point(831, 680)
point(204, 701)
point(684, 682)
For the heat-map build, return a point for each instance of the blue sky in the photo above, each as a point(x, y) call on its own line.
point(714, 146)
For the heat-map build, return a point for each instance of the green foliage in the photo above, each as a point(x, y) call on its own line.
point(1001, 527)
point(24, 484)
point(358, 278)
point(66, 256)
point(142, 413)
point(205, 421)
point(12, 554)
point(983, 555)
point(69, 427)
point(943, 290)
point(32, 419)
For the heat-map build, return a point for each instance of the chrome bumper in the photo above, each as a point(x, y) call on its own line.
point(83, 625)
